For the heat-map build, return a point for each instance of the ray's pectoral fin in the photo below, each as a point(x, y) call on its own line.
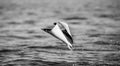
point(69, 37)
point(46, 30)
point(49, 31)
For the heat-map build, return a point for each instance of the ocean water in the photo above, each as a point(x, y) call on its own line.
point(94, 25)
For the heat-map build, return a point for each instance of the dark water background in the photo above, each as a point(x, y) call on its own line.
point(95, 25)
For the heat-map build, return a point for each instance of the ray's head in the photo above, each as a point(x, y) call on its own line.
point(55, 23)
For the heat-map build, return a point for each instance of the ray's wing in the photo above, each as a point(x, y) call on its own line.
point(67, 32)
point(69, 38)
point(65, 25)
point(49, 31)
point(63, 35)
point(56, 31)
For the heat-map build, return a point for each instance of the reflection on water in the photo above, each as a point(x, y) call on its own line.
point(23, 43)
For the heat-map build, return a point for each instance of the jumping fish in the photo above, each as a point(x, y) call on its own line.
point(61, 31)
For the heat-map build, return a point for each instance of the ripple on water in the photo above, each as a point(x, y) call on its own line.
point(2, 25)
point(75, 18)
point(9, 51)
point(28, 62)
point(13, 23)
point(113, 58)
point(40, 36)
point(75, 23)
point(50, 47)
point(19, 37)
point(31, 22)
